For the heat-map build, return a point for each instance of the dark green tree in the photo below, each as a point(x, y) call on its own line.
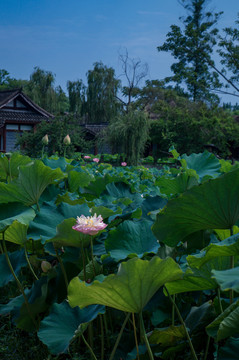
point(77, 97)
point(128, 133)
point(229, 52)
point(61, 101)
point(192, 46)
point(8, 82)
point(4, 77)
point(41, 88)
point(102, 104)
point(56, 129)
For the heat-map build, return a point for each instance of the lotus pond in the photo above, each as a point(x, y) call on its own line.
point(159, 280)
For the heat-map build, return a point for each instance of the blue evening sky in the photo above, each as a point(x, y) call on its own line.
point(68, 36)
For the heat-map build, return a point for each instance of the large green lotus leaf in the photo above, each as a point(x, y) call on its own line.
point(226, 324)
point(120, 195)
point(37, 296)
point(104, 211)
point(121, 190)
point(227, 279)
point(199, 279)
point(16, 233)
point(151, 203)
point(199, 317)
point(168, 336)
point(66, 236)
point(56, 163)
point(212, 205)
point(230, 350)
point(9, 168)
point(205, 164)
point(71, 199)
point(18, 261)
point(196, 280)
point(78, 179)
point(92, 269)
point(12, 304)
point(130, 289)
point(64, 324)
point(45, 223)
point(131, 237)
point(158, 316)
point(177, 185)
point(228, 247)
point(141, 350)
point(30, 184)
point(226, 233)
point(15, 211)
point(97, 186)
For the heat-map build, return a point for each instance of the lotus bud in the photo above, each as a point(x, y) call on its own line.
point(67, 140)
point(45, 140)
point(45, 266)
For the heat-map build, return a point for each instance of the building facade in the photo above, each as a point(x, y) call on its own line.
point(18, 113)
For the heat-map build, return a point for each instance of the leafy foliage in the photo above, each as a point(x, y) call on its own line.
point(57, 128)
point(125, 267)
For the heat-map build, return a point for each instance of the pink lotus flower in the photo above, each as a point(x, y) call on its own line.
point(89, 225)
point(96, 160)
point(124, 163)
point(86, 157)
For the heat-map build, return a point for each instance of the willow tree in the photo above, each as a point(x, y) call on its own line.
point(192, 46)
point(41, 88)
point(77, 96)
point(128, 133)
point(102, 104)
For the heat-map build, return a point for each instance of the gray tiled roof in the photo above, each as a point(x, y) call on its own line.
point(6, 95)
point(95, 128)
point(28, 117)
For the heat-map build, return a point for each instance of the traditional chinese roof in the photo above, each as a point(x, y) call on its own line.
point(30, 113)
point(24, 117)
point(95, 129)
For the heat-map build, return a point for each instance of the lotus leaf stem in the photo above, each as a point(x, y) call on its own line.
point(83, 260)
point(219, 299)
point(91, 335)
point(183, 323)
point(231, 267)
point(151, 356)
point(106, 329)
point(92, 255)
point(42, 151)
point(135, 336)
point(207, 347)
point(119, 337)
point(17, 281)
point(173, 311)
point(29, 264)
point(9, 169)
point(102, 337)
point(1, 248)
point(62, 266)
point(89, 347)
